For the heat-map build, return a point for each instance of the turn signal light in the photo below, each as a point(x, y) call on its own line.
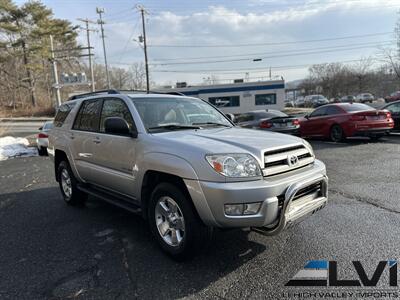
point(295, 122)
point(388, 114)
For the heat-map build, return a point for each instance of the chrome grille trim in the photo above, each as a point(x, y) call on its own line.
point(276, 161)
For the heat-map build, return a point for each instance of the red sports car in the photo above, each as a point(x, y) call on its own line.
point(341, 120)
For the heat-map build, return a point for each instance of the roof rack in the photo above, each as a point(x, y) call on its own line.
point(100, 92)
point(114, 92)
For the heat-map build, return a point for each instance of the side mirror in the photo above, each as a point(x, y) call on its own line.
point(230, 117)
point(117, 125)
point(307, 117)
point(40, 128)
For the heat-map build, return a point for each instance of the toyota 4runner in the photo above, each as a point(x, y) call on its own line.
point(183, 165)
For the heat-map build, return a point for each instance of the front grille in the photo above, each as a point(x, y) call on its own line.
point(277, 161)
point(315, 188)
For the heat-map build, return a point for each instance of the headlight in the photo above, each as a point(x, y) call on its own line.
point(309, 147)
point(234, 165)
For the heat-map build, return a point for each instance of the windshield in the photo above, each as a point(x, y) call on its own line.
point(180, 112)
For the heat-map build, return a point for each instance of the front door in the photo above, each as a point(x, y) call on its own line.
point(115, 155)
point(312, 126)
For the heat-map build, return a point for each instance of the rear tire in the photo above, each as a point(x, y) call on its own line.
point(175, 224)
point(69, 185)
point(336, 133)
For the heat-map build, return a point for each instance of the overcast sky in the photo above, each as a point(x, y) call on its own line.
point(223, 37)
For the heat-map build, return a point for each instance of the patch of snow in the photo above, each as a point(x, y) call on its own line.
point(15, 147)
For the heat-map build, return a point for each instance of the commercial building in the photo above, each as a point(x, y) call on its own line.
point(238, 97)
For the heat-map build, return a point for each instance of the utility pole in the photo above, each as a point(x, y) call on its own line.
point(100, 11)
point(142, 11)
point(87, 21)
point(55, 73)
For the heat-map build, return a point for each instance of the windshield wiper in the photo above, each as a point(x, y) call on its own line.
point(211, 124)
point(174, 127)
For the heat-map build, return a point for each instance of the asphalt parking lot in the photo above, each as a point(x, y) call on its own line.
point(51, 251)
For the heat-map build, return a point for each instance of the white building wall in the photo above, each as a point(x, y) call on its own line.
point(247, 96)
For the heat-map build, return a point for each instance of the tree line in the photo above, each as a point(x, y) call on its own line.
point(378, 74)
point(26, 76)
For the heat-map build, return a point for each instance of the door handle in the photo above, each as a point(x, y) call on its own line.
point(71, 136)
point(97, 140)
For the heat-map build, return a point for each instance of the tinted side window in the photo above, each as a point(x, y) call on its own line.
point(115, 108)
point(88, 116)
point(244, 118)
point(319, 112)
point(265, 99)
point(333, 110)
point(63, 113)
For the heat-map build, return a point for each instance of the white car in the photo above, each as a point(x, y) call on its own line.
point(42, 140)
point(365, 97)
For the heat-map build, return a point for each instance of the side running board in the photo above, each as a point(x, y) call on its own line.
point(112, 198)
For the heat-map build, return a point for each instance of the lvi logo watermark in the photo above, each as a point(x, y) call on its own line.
point(325, 273)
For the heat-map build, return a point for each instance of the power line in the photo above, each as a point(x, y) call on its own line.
point(128, 40)
point(265, 57)
point(271, 44)
point(254, 70)
point(252, 55)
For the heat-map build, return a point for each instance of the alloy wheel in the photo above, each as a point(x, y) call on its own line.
point(170, 221)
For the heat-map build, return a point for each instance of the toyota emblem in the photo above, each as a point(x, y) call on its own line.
point(292, 160)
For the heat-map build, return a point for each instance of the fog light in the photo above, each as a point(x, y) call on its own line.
point(251, 208)
point(233, 209)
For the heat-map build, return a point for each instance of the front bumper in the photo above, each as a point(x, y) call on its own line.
point(278, 210)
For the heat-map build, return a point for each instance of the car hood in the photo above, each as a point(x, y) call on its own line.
point(226, 140)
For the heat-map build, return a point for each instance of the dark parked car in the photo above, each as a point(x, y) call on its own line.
point(393, 97)
point(269, 119)
point(315, 101)
point(341, 120)
point(394, 109)
point(348, 99)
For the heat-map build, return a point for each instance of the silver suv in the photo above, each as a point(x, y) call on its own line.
point(183, 165)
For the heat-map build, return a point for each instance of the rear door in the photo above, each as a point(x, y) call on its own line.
point(114, 155)
point(82, 135)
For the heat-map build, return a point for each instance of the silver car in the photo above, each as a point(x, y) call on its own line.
point(184, 166)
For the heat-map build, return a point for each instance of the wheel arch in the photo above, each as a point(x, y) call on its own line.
point(151, 179)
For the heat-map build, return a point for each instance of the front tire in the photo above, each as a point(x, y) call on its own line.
point(175, 224)
point(336, 133)
point(69, 185)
